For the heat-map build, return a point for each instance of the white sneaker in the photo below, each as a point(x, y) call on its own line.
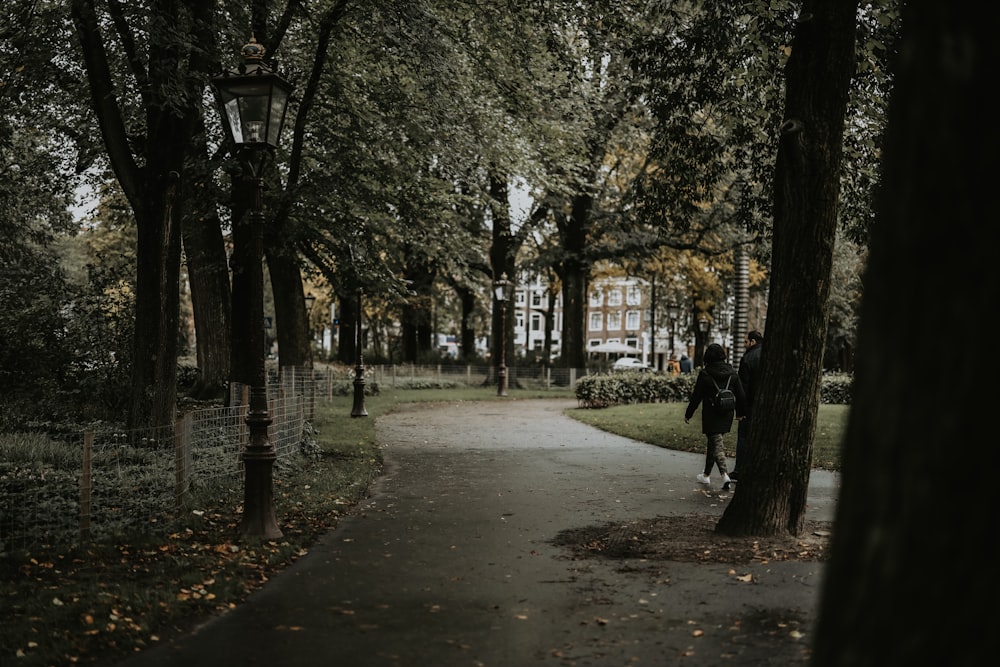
point(704, 479)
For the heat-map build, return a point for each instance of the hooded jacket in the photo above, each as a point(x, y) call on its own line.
point(714, 420)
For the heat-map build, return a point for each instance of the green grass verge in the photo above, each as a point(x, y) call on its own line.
point(663, 424)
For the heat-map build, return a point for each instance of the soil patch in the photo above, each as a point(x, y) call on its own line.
point(692, 538)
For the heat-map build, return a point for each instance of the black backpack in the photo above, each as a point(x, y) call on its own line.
point(724, 398)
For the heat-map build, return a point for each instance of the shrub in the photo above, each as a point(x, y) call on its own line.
point(598, 391)
point(603, 390)
point(837, 388)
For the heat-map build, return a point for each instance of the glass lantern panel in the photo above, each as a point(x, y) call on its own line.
point(276, 117)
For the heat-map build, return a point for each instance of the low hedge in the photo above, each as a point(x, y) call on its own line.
point(603, 390)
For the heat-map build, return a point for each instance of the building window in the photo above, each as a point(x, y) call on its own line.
point(634, 295)
point(615, 297)
point(615, 321)
point(536, 322)
point(519, 296)
point(596, 298)
point(519, 321)
point(536, 299)
point(596, 321)
point(632, 320)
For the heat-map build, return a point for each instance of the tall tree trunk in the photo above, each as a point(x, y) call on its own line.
point(910, 574)
point(502, 255)
point(469, 301)
point(771, 495)
point(415, 322)
point(294, 342)
point(208, 276)
point(204, 243)
point(574, 271)
point(152, 401)
point(347, 352)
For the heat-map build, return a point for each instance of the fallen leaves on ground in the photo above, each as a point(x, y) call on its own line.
point(692, 538)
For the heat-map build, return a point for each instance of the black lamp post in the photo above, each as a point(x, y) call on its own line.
point(310, 300)
point(358, 409)
point(500, 291)
point(252, 101)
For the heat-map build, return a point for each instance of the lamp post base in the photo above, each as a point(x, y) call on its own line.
point(358, 410)
point(502, 381)
point(259, 519)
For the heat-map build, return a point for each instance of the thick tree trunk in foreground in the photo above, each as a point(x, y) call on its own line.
point(911, 577)
point(771, 495)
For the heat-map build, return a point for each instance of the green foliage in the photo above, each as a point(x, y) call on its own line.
point(837, 389)
point(601, 391)
point(598, 391)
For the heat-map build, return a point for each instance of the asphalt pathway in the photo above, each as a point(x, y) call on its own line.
point(451, 561)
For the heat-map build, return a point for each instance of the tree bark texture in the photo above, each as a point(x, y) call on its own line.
point(771, 496)
point(469, 299)
point(294, 341)
point(346, 348)
point(502, 253)
point(208, 277)
point(574, 270)
point(911, 574)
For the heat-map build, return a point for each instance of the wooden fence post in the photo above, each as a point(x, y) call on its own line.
point(182, 473)
point(85, 484)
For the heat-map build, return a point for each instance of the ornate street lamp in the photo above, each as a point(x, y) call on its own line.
point(500, 292)
point(253, 101)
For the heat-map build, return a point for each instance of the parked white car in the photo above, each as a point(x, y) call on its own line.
point(630, 364)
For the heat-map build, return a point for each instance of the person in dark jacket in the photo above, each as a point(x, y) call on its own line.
point(686, 365)
point(715, 422)
point(749, 375)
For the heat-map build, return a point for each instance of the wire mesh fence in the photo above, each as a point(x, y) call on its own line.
point(105, 483)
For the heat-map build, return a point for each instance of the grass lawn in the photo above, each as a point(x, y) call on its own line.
point(663, 424)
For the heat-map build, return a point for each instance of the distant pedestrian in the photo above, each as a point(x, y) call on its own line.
point(715, 422)
point(686, 365)
point(749, 375)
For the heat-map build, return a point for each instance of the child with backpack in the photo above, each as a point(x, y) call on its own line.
point(719, 390)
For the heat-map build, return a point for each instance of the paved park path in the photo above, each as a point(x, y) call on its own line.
point(451, 561)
